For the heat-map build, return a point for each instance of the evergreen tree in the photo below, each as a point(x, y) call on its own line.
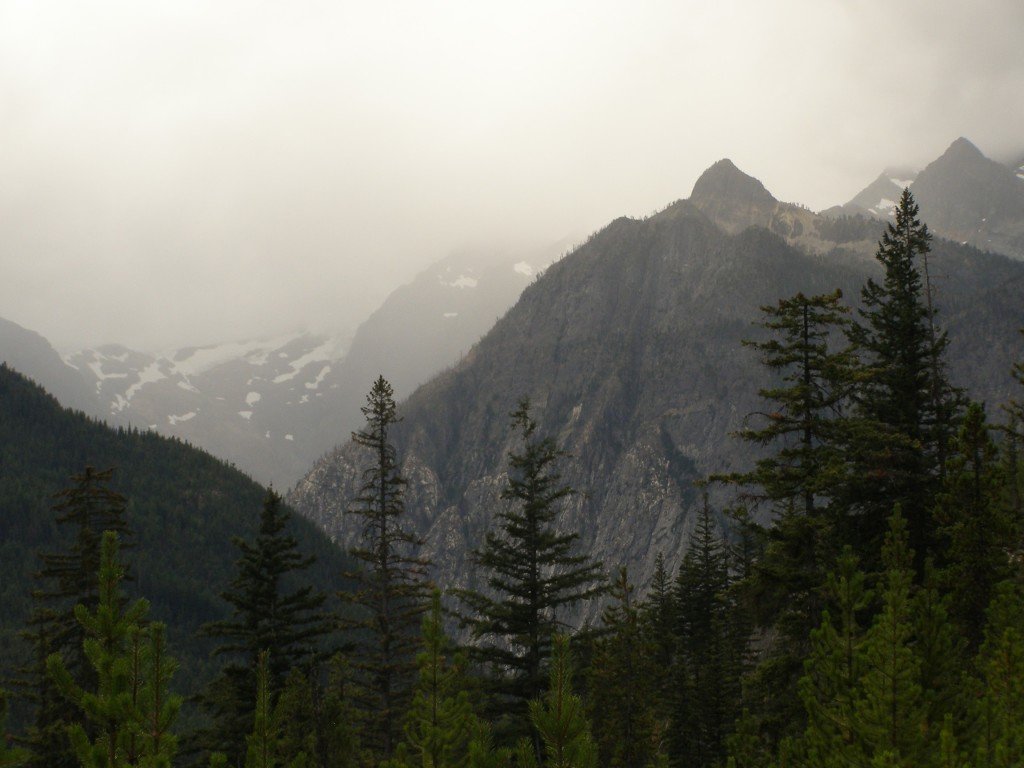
point(804, 480)
point(833, 670)
point(624, 676)
point(393, 588)
point(532, 573)
point(559, 716)
point(890, 714)
point(10, 757)
point(130, 697)
point(975, 524)
point(807, 471)
point(440, 723)
point(706, 671)
point(266, 616)
point(907, 405)
point(999, 707)
point(261, 743)
point(67, 578)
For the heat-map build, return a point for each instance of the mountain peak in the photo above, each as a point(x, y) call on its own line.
point(724, 181)
point(732, 199)
point(962, 149)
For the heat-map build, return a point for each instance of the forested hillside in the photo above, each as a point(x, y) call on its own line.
point(183, 509)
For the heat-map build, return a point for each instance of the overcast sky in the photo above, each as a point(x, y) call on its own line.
point(180, 172)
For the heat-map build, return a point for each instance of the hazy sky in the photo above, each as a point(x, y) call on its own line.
point(181, 172)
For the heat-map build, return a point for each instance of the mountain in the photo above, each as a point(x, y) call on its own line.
point(969, 198)
point(249, 403)
point(272, 407)
point(184, 507)
point(34, 356)
point(963, 196)
point(878, 198)
point(629, 349)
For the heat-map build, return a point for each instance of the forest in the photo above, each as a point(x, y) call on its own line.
point(858, 602)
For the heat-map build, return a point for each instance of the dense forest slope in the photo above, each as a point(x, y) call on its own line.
point(630, 350)
point(184, 507)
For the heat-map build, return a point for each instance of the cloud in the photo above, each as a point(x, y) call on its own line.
point(182, 172)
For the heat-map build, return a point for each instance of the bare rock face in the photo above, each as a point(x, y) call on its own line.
point(630, 352)
point(969, 198)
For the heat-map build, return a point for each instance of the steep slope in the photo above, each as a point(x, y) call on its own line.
point(28, 352)
point(969, 198)
point(630, 350)
point(183, 505)
point(735, 201)
point(963, 195)
point(272, 407)
point(249, 403)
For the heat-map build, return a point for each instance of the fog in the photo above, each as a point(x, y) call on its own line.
point(176, 173)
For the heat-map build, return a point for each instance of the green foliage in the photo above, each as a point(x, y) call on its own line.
point(708, 662)
point(975, 524)
point(9, 756)
point(559, 716)
point(266, 617)
point(130, 706)
point(890, 714)
point(182, 505)
point(532, 573)
point(903, 392)
point(393, 589)
point(624, 676)
point(440, 722)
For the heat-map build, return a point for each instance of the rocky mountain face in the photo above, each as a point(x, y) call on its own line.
point(629, 350)
point(963, 195)
point(272, 407)
point(968, 198)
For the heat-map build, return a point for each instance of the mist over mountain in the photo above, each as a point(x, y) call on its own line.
point(630, 351)
point(273, 406)
point(963, 196)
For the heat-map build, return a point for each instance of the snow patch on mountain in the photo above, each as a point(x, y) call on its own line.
point(175, 420)
point(247, 415)
point(316, 382)
point(252, 398)
point(327, 350)
point(195, 360)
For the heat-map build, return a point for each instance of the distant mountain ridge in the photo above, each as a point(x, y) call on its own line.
point(630, 350)
point(963, 195)
point(273, 406)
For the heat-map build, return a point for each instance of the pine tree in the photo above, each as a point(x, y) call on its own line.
point(67, 578)
point(624, 676)
point(266, 616)
point(907, 406)
point(999, 707)
point(706, 670)
point(559, 716)
point(393, 589)
point(890, 713)
point(261, 743)
point(532, 573)
point(975, 524)
point(803, 479)
point(440, 723)
point(122, 712)
point(10, 757)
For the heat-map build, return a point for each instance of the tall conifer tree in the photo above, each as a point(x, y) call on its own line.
point(908, 407)
point(268, 614)
point(85, 509)
point(531, 572)
point(393, 589)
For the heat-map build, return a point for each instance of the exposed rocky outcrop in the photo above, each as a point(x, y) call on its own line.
point(630, 351)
